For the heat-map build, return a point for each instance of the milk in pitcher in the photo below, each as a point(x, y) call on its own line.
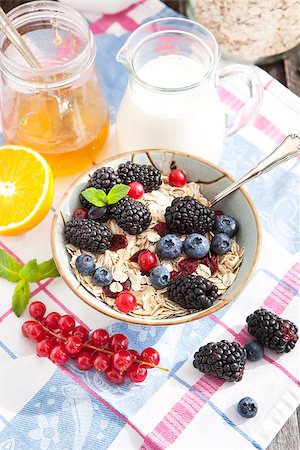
point(175, 108)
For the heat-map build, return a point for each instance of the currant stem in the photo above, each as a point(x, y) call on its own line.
point(58, 336)
point(100, 349)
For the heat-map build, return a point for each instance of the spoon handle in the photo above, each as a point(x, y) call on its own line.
point(288, 148)
point(17, 40)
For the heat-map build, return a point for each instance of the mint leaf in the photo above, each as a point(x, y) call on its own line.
point(30, 271)
point(9, 267)
point(116, 193)
point(95, 196)
point(47, 269)
point(20, 297)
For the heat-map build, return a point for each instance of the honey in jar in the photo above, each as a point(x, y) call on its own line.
point(57, 109)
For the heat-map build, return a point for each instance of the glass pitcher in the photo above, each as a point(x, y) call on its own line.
point(58, 109)
point(171, 101)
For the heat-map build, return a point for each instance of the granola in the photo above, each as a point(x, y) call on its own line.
point(251, 29)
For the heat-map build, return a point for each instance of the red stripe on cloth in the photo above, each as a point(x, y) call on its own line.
point(11, 253)
point(283, 369)
point(267, 85)
point(268, 128)
point(7, 313)
point(185, 410)
point(67, 310)
point(260, 122)
point(100, 399)
point(102, 24)
point(182, 413)
point(292, 278)
point(278, 300)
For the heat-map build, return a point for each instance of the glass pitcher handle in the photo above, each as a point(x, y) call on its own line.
point(251, 107)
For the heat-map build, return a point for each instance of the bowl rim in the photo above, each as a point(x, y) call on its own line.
point(154, 322)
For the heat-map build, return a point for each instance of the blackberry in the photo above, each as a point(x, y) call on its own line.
point(104, 178)
point(272, 331)
point(88, 235)
point(222, 359)
point(147, 175)
point(193, 292)
point(132, 216)
point(187, 215)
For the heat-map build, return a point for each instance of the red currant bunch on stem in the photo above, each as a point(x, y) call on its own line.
point(59, 339)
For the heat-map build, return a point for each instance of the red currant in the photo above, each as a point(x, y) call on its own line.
point(25, 327)
point(56, 341)
point(59, 354)
point(44, 347)
point(150, 355)
point(136, 190)
point(51, 321)
point(84, 360)
point(137, 373)
point(125, 302)
point(147, 260)
point(66, 323)
point(37, 310)
point(100, 338)
point(177, 178)
point(35, 331)
point(134, 353)
point(81, 213)
point(118, 342)
point(115, 376)
point(102, 362)
point(81, 332)
point(122, 360)
point(74, 345)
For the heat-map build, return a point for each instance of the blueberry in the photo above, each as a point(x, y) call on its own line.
point(102, 277)
point(98, 214)
point(196, 246)
point(169, 247)
point(85, 264)
point(227, 225)
point(255, 350)
point(247, 407)
point(220, 244)
point(159, 277)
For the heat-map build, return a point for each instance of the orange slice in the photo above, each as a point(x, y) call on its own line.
point(26, 189)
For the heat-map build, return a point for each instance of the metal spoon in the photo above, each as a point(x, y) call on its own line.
point(289, 148)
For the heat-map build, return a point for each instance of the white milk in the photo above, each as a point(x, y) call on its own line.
point(192, 121)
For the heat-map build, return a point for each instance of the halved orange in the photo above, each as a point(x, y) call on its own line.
point(26, 189)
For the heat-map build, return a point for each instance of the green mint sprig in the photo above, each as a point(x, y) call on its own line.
point(12, 270)
point(97, 197)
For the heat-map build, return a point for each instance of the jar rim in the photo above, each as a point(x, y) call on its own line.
point(24, 14)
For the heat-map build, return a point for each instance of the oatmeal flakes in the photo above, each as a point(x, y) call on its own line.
point(151, 302)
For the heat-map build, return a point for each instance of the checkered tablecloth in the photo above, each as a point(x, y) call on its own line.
point(43, 406)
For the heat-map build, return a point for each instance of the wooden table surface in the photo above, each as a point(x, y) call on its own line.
point(287, 72)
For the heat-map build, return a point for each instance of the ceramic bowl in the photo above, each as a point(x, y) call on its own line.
point(212, 180)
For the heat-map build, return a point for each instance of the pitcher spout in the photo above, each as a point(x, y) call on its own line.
point(122, 56)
